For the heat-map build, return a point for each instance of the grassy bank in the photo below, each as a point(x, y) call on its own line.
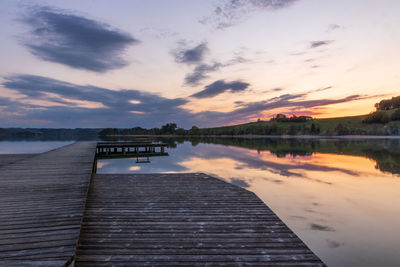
point(353, 125)
point(385, 121)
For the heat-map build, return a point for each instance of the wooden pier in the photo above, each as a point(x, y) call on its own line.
point(47, 218)
point(42, 199)
point(6, 159)
point(182, 220)
point(130, 149)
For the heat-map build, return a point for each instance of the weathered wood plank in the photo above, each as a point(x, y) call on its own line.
point(32, 263)
point(182, 219)
point(292, 258)
point(42, 198)
point(196, 264)
point(12, 158)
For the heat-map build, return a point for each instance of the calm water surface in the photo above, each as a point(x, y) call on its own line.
point(18, 147)
point(342, 198)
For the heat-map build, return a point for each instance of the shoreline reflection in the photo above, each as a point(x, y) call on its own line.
point(340, 197)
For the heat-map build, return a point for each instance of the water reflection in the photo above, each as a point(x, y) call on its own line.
point(23, 147)
point(340, 197)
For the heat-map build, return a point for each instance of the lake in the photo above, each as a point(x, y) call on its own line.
point(341, 197)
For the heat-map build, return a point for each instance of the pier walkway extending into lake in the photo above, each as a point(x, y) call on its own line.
point(42, 200)
point(48, 219)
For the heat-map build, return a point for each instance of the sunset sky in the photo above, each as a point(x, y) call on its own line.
point(207, 63)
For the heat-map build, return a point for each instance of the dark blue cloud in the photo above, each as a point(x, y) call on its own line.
point(201, 71)
point(219, 87)
point(73, 105)
point(195, 56)
point(230, 12)
point(192, 55)
point(315, 44)
point(75, 41)
point(270, 4)
point(120, 108)
point(288, 100)
point(246, 111)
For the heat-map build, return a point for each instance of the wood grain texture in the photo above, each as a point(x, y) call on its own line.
point(11, 158)
point(42, 198)
point(182, 220)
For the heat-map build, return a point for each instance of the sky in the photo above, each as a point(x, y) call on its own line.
point(127, 63)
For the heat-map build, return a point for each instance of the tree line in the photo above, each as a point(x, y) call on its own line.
point(381, 114)
point(256, 129)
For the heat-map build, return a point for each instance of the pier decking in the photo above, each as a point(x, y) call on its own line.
point(182, 220)
point(48, 219)
point(42, 199)
point(6, 159)
point(130, 149)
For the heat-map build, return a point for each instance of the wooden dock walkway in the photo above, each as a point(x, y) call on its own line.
point(182, 220)
point(6, 159)
point(42, 198)
point(54, 212)
point(106, 150)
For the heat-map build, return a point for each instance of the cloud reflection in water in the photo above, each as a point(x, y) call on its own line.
point(332, 195)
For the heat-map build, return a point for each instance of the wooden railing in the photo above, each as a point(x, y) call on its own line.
point(130, 149)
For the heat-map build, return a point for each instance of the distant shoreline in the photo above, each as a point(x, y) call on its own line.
point(250, 136)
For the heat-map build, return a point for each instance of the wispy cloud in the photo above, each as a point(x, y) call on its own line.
point(46, 102)
point(291, 100)
point(159, 33)
point(192, 55)
point(229, 12)
point(195, 56)
point(246, 111)
point(316, 44)
point(202, 71)
point(219, 87)
point(334, 27)
point(118, 108)
point(273, 90)
point(62, 37)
